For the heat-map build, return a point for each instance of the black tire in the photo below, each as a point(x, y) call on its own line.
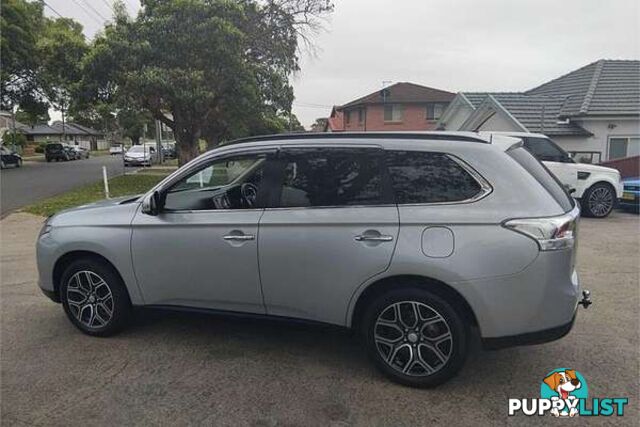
point(598, 201)
point(120, 302)
point(19, 163)
point(429, 303)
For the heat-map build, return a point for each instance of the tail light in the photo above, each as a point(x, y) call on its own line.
point(551, 233)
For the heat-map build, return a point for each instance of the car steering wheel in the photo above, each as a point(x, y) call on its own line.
point(249, 193)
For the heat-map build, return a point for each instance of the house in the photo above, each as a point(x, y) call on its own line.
point(592, 112)
point(74, 134)
point(399, 107)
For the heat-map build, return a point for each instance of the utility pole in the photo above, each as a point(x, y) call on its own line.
point(159, 141)
point(13, 130)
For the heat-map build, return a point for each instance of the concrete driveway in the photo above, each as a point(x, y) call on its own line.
point(37, 180)
point(177, 369)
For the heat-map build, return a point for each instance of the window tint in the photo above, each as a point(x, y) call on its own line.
point(423, 177)
point(331, 177)
point(545, 149)
point(231, 183)
point(543, 176)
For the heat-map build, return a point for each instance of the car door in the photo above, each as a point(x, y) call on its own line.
point(334, 225)
point(201, 249)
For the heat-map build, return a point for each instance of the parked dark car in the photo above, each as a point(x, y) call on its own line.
point(9, 158)
point(56, 151)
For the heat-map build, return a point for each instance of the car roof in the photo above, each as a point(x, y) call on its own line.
point(514, 134)
point(386, 139)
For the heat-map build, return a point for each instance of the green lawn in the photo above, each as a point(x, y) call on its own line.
point(118, 186)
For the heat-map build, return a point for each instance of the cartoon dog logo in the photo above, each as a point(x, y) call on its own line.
point(564, 383)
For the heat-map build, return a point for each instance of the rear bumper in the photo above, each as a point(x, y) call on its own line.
point(529, 338)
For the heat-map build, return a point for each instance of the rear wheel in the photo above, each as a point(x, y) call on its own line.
point(415, 337)
point(94, 297)
point(598, 201)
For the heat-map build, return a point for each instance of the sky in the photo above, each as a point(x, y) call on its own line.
point(454, 45)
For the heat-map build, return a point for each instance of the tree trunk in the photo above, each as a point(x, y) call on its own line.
point(212, 141)
point(135, 140)
point(187, 146)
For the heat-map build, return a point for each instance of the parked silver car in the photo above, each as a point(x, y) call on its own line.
point(414, 240)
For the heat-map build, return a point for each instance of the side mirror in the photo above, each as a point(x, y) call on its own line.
point(151, 205)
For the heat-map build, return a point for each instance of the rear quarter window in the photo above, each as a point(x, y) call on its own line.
point(532, 165)
point(419, 177)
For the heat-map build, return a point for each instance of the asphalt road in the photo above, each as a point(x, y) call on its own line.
point(188, 369)
point(37, 180)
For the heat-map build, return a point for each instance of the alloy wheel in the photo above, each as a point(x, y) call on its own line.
point(90, 299)
point(600, 201)
point(413, 338)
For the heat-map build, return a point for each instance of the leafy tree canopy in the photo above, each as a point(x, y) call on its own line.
point(208, 69)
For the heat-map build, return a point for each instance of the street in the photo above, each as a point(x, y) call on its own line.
point(36, 180)
point(186, 369)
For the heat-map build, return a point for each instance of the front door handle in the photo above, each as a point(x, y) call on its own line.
point(239, 237)
point(366, 238)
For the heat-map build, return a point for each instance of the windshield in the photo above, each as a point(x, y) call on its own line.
point(138, 149)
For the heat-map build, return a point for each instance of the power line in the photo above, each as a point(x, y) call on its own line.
point(109, 6)
point(52, 9)
point(95, 11)
point(87, 12)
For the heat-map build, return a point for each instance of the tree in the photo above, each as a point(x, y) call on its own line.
point(33, 111)
point(61, 49)
point(319, 125)
point(20, 21)
point(132, 123)
point(205, 68)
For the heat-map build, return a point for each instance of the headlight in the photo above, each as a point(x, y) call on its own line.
point(46, 227)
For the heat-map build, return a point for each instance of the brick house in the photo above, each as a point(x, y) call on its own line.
point(400, 107)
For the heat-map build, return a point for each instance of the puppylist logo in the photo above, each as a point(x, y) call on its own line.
point(564, 393)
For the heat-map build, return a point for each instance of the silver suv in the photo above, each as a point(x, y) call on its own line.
point(414, 240)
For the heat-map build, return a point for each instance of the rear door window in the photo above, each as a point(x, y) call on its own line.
point(424, 177)
point(315, 177)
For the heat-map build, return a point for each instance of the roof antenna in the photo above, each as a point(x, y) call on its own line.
point(490, 138)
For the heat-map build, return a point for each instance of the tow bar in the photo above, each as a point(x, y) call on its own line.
point(586, 299)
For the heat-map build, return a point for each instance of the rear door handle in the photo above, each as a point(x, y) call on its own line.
point(239, 237)
point(381, 238)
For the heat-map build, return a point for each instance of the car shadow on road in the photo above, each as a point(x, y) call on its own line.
point(283, 341)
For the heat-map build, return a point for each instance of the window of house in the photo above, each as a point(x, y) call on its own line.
point(347, 117)
point(424, 177)
point(361, 116)
point(620, 147)
point(393, 113)
point(331, 177)
point(434, 111)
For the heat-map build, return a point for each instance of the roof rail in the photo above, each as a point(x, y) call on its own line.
point(440, 136)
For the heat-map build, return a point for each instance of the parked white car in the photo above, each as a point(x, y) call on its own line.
point(596, 187)
point(140, 155)
point(116, 149)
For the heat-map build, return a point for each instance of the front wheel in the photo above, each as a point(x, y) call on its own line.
point(598, 201)
point(415, 337)
point(94, 297)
